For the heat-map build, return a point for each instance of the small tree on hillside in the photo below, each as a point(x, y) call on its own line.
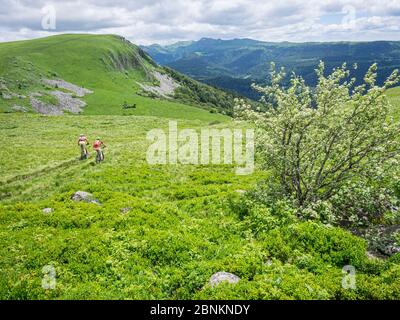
point(317, 140)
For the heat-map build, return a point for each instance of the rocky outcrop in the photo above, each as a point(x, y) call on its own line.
point(44, 108)
point(66, 101)
point(166, 86)
point(17, 108)
point(85, 197)
point(60, 83)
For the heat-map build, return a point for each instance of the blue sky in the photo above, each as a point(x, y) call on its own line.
point(168, 21)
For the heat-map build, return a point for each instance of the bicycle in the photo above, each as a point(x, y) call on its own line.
point(99, 156)
point(84, 152)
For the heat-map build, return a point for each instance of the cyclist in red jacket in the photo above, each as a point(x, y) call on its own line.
point(97, 146)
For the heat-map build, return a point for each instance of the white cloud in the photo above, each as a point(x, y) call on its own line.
point(166, 21)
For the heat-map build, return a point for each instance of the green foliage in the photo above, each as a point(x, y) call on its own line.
point(196, 93)
point(331, 148)
point(362, 203)
point(262, 217)
point(285, 281)
point(182, 224)
point(330, 245)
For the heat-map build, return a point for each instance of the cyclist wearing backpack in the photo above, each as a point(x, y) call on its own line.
point(98, 145)
point(82, 143)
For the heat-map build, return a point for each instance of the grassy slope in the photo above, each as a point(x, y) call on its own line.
point(184, 224)
point(394, 97)
point(80, 59)
point(77, 234)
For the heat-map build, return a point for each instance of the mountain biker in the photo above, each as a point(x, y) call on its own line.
point(82, 143)
point(97, 145)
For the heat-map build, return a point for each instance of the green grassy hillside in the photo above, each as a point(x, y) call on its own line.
point(110, 66)
point(184, 223)
point(161, 231)
point(235, 64)
point(394, 97)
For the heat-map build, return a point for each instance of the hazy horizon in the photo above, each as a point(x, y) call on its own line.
point(203, 38)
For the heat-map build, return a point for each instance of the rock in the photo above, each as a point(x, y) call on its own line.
point(6, 96)
point(165, 88)
point(125, 210)
point(18, 108)
point(391, 249)
point(47, 210)
point(85, 197)
point(219, 277)
point(67, 102)
point(60, 83)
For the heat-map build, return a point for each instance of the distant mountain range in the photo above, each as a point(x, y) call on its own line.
point(235, 64)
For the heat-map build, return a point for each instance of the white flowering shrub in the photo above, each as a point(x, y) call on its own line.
point(322, 142)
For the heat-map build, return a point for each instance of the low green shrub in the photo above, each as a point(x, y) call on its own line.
point(332, 245)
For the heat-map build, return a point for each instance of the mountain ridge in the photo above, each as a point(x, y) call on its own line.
point(235, 64)
point(116, 72)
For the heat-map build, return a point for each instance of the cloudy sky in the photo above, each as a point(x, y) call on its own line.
point(168, 21)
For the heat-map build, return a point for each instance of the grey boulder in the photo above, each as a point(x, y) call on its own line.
point(219, 277)
point(85, 197)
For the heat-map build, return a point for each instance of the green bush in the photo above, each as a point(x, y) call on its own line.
point(260, 218)
point(318, 142)
point(331, 245)
point(361, 204)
